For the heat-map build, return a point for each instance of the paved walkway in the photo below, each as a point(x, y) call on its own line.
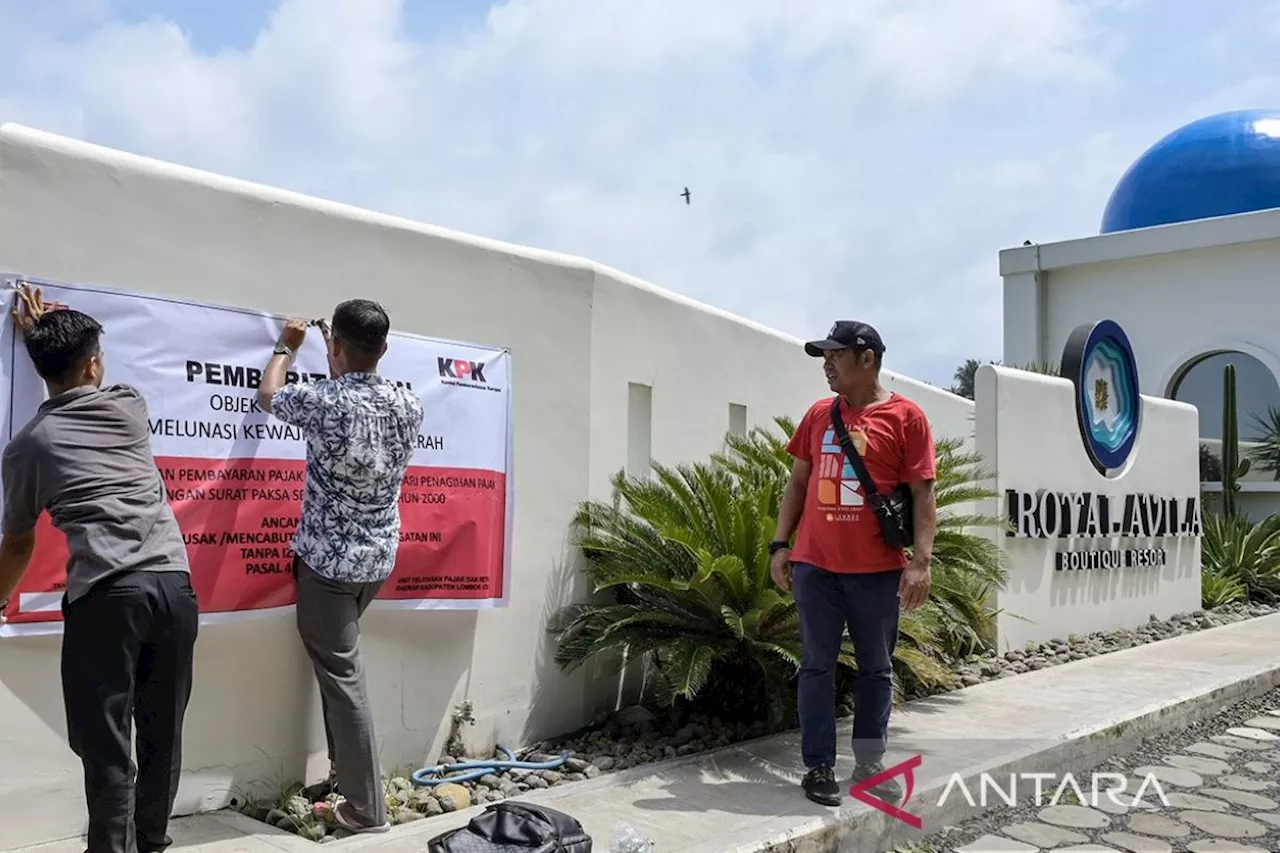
point(746, 798)
point(1212, 795)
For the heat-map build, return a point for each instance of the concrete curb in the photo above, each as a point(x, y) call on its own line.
point(857, 827)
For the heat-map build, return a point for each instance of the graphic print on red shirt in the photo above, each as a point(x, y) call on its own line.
point(838, 529)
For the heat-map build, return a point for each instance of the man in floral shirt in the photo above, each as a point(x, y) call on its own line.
point(361, 431)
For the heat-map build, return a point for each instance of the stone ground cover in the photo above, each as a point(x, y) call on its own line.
point(636, 737)
point(1220, 780)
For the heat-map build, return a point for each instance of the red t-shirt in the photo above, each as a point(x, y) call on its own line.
point(838, 530)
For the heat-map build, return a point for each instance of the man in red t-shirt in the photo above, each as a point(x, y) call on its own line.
point(841, 570)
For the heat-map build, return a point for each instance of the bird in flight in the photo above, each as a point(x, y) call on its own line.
point(685, 195)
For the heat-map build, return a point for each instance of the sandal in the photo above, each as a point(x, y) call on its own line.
point(349, 825)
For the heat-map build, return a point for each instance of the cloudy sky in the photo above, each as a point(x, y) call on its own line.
point(847, 158)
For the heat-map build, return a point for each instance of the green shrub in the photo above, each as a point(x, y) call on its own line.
point(1237, 553)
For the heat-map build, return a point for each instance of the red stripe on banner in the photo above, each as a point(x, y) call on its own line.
point(238, 517)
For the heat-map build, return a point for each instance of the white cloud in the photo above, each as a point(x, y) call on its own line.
point(846, 158)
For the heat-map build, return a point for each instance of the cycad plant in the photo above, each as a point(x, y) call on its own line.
point(1236, 553)
point(683, 562)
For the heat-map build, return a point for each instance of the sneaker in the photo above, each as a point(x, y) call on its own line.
point(820, 786)
point(890, 791)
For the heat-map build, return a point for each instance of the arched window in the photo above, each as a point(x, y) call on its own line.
point(1256, 393)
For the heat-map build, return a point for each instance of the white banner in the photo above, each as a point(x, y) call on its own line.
point(235, 474)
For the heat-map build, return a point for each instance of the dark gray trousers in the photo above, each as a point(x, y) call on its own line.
point(329, 624)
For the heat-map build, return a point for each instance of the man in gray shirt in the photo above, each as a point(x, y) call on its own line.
point(129, 612)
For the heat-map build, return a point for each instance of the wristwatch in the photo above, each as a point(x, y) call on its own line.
point(281, 349)
point(777, 545)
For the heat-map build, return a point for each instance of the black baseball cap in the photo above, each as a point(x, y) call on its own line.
point(847, 334)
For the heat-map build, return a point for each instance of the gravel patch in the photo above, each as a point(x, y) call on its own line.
point(1221, 798)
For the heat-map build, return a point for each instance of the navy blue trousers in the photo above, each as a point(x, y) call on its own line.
point(867, 605)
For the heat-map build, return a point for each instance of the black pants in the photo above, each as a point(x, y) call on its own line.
point(127, 648)
point(868, 605)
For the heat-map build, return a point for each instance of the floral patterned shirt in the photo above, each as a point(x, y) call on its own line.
point(361, 431)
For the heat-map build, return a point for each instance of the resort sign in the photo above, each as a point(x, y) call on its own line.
point(1099, 361)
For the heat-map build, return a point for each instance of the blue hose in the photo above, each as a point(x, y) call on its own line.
point(472, 770)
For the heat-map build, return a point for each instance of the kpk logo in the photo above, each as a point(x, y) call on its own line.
point(463, 373)
point(1062, 789)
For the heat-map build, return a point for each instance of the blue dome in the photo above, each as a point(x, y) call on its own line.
point(1223, 164)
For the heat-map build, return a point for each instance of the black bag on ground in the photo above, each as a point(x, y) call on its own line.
point(513, 827)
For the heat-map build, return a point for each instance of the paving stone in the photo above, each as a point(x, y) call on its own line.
point(1224, 825)
point(1043, 834)
point(1076, 817)
point(1219, 845)
point(1199, 764)
point(1252, 734)
point(1137, 843)
point(1244, 783)
point(1166, 776)
point(996, 844)
point(1275, 712)
point(1183, 800)
point(1240, 742)
point(1213, 750)
point(1258, 767)
point(1272, 818)
point(1269, 723)
point(1242, 798)
point(1106, 802)
point(1154, 824)
point(1087, 848)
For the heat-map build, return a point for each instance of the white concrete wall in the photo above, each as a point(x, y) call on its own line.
point(579, 334)
point(1027, 430)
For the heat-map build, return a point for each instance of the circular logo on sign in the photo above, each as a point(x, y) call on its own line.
point(1099, 360)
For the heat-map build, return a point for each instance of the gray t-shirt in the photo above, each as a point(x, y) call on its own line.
point(86, 458)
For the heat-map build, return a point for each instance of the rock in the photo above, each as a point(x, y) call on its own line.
point(996, 844)
point(683, 736)
point(459, 796)
point(575, 777)
point(604, 763)
point(1244, 783)
point(1043, 835)
point(447, 804)
point(575, 765)
point(1137, 843)
point(1170, 775)
point(400, 783)
point(1223, 825)
point(552, 777)
point(429, 805)
point(298, 807)
point(1154, 824)
point(490, 781)
point(1196, 764)
point(633, 716)
point(1074, 817)
point(406, 816)
point(273, 816)
point(536, 782)
point(328, 839)
point(591, 771)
